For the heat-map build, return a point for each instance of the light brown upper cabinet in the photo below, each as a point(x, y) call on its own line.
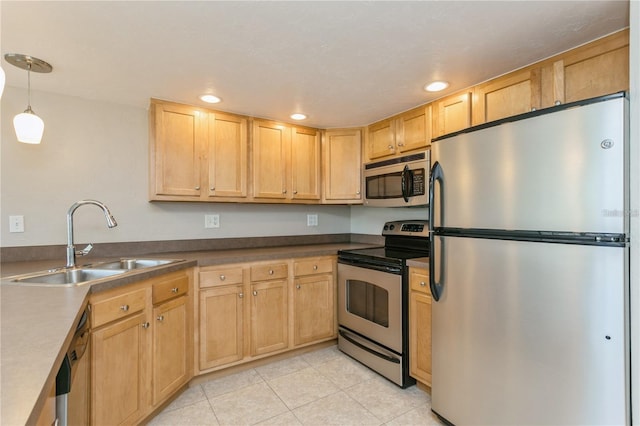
point(513, 94)
point(196, 154)
point(286, 162)
point(342, 166)
point(396, 135)
point(452, 113)
point(596, 69)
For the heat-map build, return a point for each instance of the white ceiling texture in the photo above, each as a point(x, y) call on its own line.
point(343, 63)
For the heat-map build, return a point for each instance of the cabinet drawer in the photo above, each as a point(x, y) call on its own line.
point(419, 280)
point(222, 276)
point(312, 266)
point(269, 271)
point(118, 307)
point(170, 287)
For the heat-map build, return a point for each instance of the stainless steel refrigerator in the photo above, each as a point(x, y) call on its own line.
point(529, 268)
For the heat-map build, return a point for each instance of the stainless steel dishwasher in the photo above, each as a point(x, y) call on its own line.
point(72, 380)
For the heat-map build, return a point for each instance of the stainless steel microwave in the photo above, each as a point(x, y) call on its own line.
point(398, 182)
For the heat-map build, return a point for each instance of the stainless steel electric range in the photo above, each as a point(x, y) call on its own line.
point(373, 299)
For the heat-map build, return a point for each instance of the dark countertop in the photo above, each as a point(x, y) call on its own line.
point(37, 321)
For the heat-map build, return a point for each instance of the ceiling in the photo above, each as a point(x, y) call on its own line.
point(341, 63)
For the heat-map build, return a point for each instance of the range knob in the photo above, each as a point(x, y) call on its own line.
point(392, 227)
point(386, 227)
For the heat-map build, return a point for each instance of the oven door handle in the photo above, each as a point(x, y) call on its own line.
point(436, 287)
point(371, 351)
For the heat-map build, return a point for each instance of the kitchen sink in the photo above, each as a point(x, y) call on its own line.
point(68, 277)
point(129, 264)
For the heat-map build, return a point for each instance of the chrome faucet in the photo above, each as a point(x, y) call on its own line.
point(71, 249)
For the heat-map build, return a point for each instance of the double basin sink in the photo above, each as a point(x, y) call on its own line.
point(88, 273)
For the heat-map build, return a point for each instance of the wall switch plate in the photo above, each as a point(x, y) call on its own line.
point(212, 221)
point(312, 219)
point(16, 223)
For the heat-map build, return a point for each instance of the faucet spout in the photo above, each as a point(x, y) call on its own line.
point(71, 250)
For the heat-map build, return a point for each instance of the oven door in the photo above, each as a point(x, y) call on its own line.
point(370, 304)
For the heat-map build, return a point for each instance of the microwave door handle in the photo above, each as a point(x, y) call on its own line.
point(406, 183)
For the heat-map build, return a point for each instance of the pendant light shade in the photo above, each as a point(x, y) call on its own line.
point(28, 126)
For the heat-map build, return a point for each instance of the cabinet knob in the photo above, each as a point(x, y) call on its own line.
point(197, 188)
point(145, 325)
point(255, 293)
point(212, 189)
point(295, 192)
point(422, 284)
point(270, 271)
point(315, 267)
point(284, 191)
point(390, 146)
point(222, 277)
point(125, 308)
point(298, 286)
point(160, 318)
point(357, 192)
point(174, 290)
point(557, 103)
point(240, 295)
point(400, 144)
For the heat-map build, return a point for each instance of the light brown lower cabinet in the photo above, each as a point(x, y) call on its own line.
point(420, 326)
point(252, 310)
point(140, 353)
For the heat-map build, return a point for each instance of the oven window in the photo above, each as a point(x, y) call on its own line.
point(384, 186)
point(368, 301)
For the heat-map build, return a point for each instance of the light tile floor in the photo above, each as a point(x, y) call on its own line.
point(324, 387)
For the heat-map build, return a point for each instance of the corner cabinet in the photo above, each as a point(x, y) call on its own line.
point(141, 347)
point(249, 311)
point(419, 326)
point(286, 162)
point(196, 154)
point(342, 166)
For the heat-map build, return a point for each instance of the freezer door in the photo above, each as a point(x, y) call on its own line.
point(562, 171)
point(529, 333)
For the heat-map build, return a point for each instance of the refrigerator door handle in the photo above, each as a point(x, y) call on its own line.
point(436, 287)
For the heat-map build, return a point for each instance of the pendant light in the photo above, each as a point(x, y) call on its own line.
point(28, 126)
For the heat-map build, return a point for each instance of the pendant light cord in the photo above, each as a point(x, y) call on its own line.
point(29, 86)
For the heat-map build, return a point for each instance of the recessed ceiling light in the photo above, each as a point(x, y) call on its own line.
point(210, 99)
point(436, 86)
point(298, 116)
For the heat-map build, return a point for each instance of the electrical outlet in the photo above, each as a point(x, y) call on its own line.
point(212, 221)
point(312, 220)
point(16, 223)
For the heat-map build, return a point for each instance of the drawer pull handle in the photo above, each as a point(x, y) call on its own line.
point(422, 284)
point(125, 308)
point(160, 318)
point(315, 267)
point(240, 295)
point(298, 286)
point(145, 325)
point(270, 271)
point(222, 278)
point(255, 293)
point(174, 290)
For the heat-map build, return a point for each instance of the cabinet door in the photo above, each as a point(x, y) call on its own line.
point(451, 114)
point(382, 139)
point(118, 372)
point(178, 135)
point(420, 326)
point(221, 325)
point(305, 164)
point(507, 96)
point(271, 143)
point(342, 175)
point(169, 363)
point(314, 317)
point(269, 317)
point(414, 129)
point(227, 156)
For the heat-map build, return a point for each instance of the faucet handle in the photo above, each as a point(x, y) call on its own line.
point(85, 251)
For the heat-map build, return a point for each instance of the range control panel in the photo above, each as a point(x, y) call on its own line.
point(413, 228)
